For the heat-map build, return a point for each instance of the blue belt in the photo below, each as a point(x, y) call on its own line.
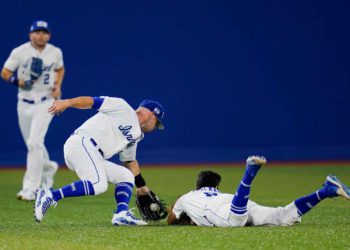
point(33, 101)
point(95, 144)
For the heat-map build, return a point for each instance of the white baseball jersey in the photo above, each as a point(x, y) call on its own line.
point(115, 128)
point(209, 207)
point(197, 203)
point(20, 60)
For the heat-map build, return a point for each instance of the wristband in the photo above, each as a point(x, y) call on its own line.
point(13, 79)
point(28, 83)
point(139, 181)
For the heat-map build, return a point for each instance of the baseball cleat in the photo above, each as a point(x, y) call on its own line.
point(25, 196)
point(44, 201)
point(334, 187)
point(254, 163)
point(126, 218)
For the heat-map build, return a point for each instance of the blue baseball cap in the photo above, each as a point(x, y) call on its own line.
point(40, 25)
point(157, 109)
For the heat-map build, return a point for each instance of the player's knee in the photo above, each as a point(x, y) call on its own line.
point(127, 176)
point(34, 144)
point(289, 215)
point(238, 220)
point(100, 187)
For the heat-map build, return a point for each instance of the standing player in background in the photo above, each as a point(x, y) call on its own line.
point(115, 129)
point(37, 69)
point(207, 206)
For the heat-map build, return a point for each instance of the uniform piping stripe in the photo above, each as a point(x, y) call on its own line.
point(61, 192)
point(98, 176)
point(122, 203)
point(245, 184)
point(318, 196)
point(300, 213)
point(309, 205)
point(233, 206)
point(238, 210)
point(123, 193)
point(85, 188)
point(125, 185)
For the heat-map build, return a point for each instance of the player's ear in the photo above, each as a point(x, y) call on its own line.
point(150, 116)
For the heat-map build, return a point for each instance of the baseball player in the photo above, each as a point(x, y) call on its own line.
point(36, 68)
point(207, 206)
point(115, 129)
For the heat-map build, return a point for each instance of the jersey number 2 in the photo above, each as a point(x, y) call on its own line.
point(46, 79)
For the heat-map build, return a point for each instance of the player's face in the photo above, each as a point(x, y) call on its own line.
point(39, 38)
point(150, 124)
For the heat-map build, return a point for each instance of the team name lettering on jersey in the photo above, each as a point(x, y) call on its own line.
point(210, 191)
point(126, 132)
point(48, 68)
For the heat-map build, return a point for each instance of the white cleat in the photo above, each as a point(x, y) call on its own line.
point(254, 163)
point(125, 218)
point(26, 195)
point(334, 187)
point(43, 202)
point(256, 160)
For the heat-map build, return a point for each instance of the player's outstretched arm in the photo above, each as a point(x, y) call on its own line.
point(134, 167)
point(172, 220)
point(82, 102)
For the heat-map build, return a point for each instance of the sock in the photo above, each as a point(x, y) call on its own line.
point(240, 200)
point(306, 203)
point(122, 194)
point(78, 188)
point(249, 175)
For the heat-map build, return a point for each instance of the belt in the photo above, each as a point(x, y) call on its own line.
point(34, 101)
point(95, 144)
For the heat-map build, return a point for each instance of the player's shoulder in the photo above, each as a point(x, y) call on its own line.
point(190, 194)
point(53, 48)
point(21, 48)
point(121, 101)
point(114, 99)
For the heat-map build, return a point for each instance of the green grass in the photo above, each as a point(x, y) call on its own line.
point(84, 222)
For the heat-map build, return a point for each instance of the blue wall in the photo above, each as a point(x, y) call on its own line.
point(235, 77)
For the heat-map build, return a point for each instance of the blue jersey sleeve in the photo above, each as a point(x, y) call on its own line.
point(97, 102)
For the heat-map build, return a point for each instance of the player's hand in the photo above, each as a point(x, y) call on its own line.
point(58, 107)
point(142, 191)
point(25, 85)
point(56, 93)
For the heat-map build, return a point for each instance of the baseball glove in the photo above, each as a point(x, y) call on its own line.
point(151, 207)
point(36, 68)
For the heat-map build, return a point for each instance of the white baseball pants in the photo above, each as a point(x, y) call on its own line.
point(34, 121)
point(256, 216)
point(84, 158)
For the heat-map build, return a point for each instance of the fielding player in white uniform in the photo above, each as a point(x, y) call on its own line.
point(115, 129)
point(35, 96)
point(207, 206)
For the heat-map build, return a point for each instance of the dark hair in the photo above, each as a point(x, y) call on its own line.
point(208, 179)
